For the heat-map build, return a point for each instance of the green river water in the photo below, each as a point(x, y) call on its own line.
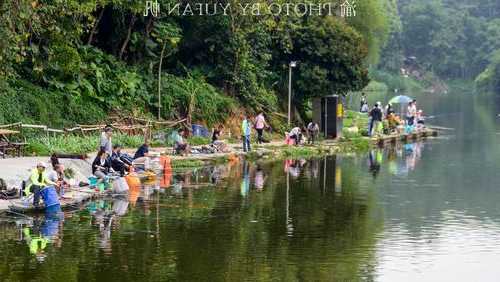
point(427, 211)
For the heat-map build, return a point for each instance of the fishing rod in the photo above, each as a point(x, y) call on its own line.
point(441, 115)
point(20, 214)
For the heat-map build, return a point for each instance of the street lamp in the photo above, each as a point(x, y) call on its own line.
point(290, 66)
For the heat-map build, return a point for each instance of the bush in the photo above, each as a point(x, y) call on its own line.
point(25, 102)
point(208, 104)
point(75, 144)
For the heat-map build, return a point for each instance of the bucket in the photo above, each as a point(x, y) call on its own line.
point(49, 196)
point(120, 186)
point(101, 186)
point(165, 161)
point(92, 181)
point(133, 181)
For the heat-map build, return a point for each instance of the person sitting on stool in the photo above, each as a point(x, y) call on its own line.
point(38, 181)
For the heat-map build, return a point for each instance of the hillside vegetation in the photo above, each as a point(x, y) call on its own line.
point(65, 61)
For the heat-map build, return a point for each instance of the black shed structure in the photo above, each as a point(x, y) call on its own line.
point(328, 113)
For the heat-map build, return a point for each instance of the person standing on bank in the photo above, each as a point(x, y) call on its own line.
point(376, 115)
point(362, 102)
point(105, 143)
point(260, 125)
point(411, 113)
point(246, 129)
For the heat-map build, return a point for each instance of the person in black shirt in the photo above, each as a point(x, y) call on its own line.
point(216, 134)
point(101, 165)
point(376, 115)
point(142, 151)
point(141, 157)
point(118, 160)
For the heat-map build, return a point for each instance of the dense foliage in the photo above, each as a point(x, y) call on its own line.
point(100, 56)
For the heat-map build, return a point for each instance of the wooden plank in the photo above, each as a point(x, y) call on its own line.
point(55, 130)
point(90, 129)
point(72, 129)
point(434, 127)
point(10, 125)
point(8, 132)
point(44, 127)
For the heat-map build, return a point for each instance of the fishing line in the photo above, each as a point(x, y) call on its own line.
point(20, 214)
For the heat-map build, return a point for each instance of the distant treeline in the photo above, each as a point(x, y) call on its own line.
point(454, 39)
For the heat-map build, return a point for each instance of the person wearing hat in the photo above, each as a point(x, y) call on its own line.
point(38, 180)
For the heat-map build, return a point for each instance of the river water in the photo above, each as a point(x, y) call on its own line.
point(422, 212)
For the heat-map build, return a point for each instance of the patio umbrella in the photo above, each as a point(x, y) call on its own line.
point(401, 99)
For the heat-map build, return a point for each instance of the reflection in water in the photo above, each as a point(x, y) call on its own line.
point(299, 222)
point(432, 211)
point(375, 158)
point(431, 214)
point(245, 180)
point(42, 232)
point(401, 159)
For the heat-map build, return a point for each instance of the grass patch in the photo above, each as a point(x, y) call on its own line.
point(358, 145)
point(357, 119)
point(187, 163)
point(198, 140)
point(76, 144)
point(252, 156)
point(300, 152)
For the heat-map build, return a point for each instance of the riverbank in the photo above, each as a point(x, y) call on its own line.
point(15, 170)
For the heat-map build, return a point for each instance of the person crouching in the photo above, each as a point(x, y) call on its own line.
point(101, 166)
point(296, 135)
point(38, 181)
point(120, 162)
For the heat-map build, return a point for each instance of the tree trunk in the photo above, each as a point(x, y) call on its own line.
point(149, 26)
point(159, 79)
point(92, 32)
point(189, 119)
point(127, 38)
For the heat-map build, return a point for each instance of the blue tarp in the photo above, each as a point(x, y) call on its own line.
point(200, 130)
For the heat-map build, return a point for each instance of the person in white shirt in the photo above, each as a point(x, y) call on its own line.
point(411, 112)
point(105, 143)
point(296, 135)
point(312, 130)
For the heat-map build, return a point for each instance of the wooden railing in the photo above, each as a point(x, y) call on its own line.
point(129, 125)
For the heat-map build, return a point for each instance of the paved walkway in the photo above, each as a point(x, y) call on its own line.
point(14, 170)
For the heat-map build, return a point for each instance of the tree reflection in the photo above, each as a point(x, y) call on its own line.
point(298, 220)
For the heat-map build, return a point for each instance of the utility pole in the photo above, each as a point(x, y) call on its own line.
point(290, 66)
